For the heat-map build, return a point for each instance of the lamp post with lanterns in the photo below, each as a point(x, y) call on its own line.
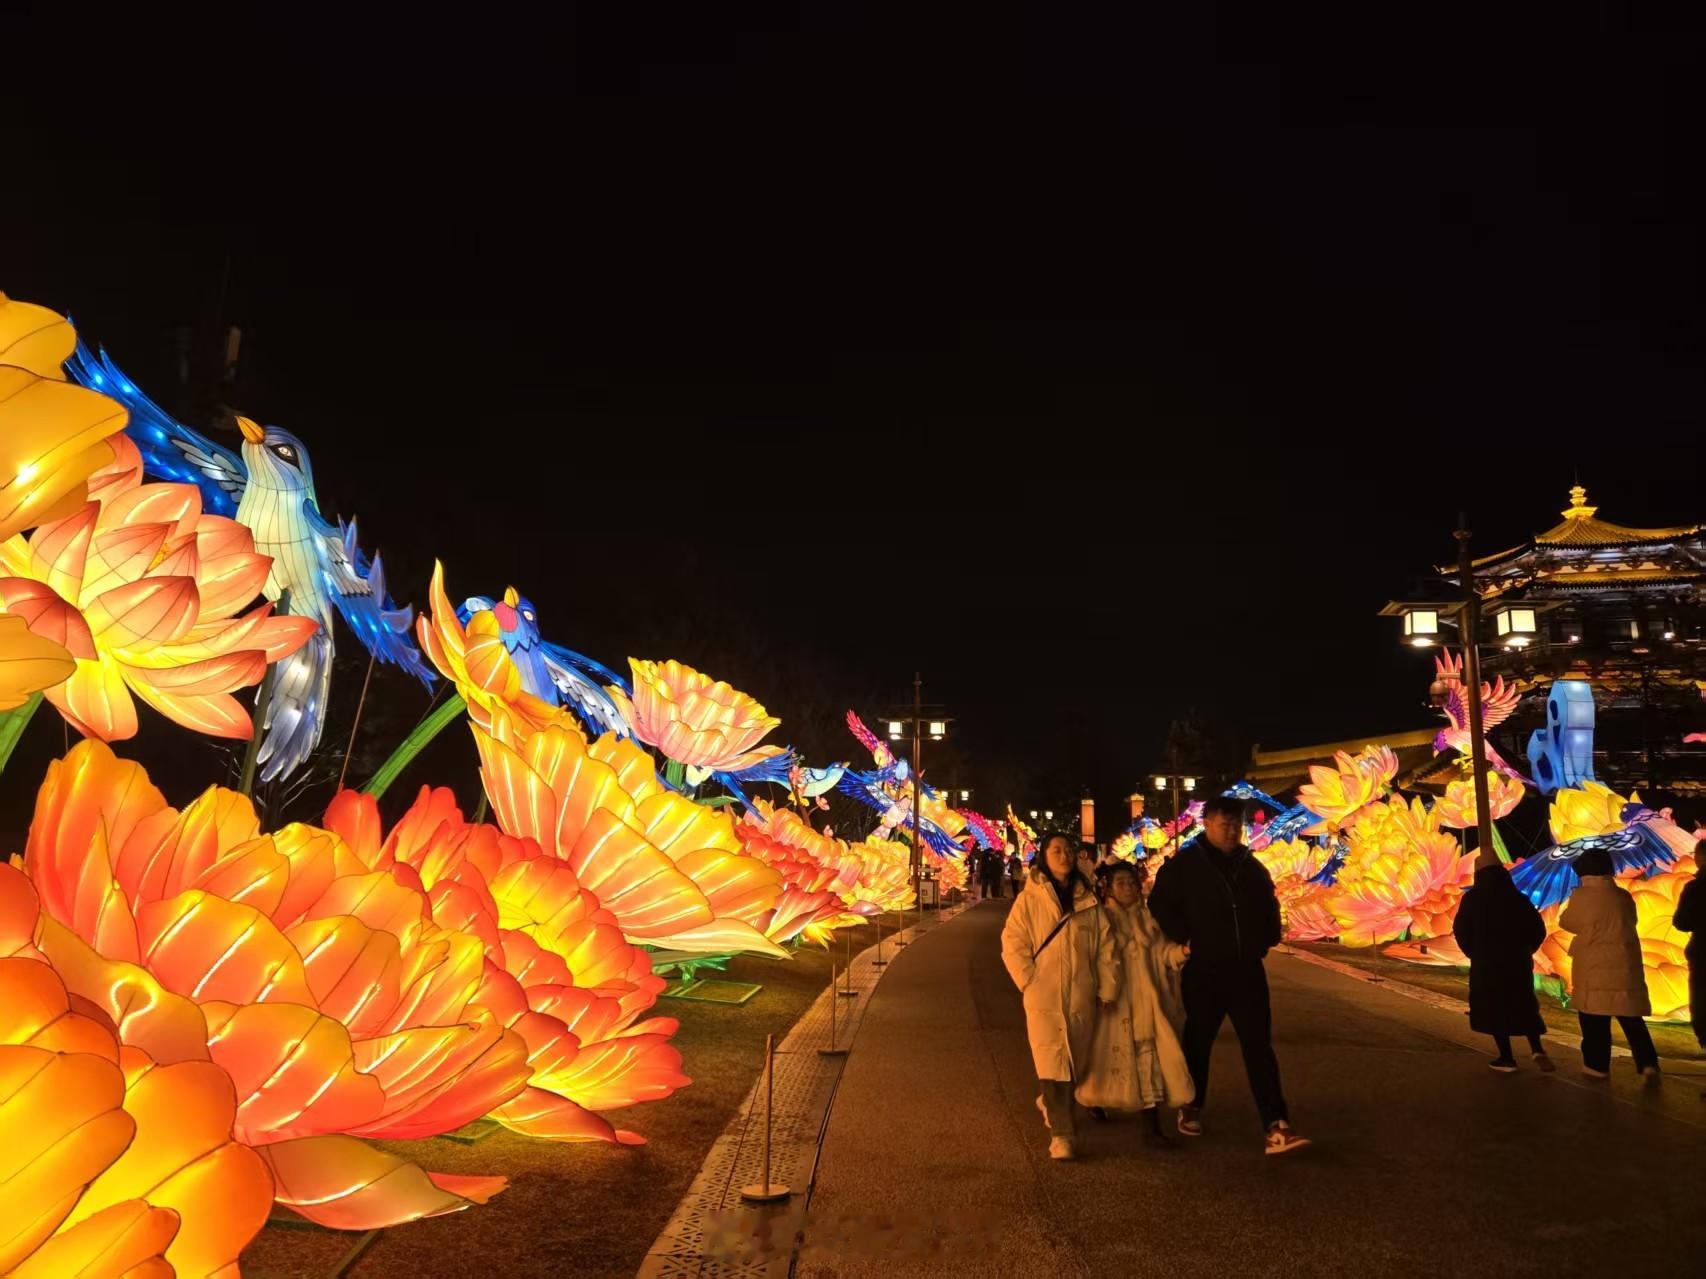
point(1516, 628)
point(937, 730)
point(1177, 784)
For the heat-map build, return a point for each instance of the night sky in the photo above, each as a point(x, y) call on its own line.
point(1097, 374)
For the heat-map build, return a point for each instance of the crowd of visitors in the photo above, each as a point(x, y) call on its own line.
point(1125, 992)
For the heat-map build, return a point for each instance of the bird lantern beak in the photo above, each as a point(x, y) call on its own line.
point(252, 432)
point(511, 596)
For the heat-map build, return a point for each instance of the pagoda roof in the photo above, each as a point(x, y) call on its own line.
point(1582, 529)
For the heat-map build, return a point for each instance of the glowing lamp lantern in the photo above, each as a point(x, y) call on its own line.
point(896, 729)
point(1048, 814)
point(1189, 783)
point(1421, 627)
point(1136, 800)
point(938, 730)
point(1160, 783)
point(1516, 627)
point(1087, 820)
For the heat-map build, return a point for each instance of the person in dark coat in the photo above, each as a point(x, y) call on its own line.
point(1691, 919)
point(1499, 929)
point(1215, 897)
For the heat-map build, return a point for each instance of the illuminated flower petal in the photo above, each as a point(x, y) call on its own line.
point(52, 434)
point(152, 584)
point(1590, 809)
point(183, 1158)
point(166, 1026)
point(1335, 794)
point(538, 1113)
point(698, 722)
point(345, 1184)
point(28, 663)
point(1457, 806)
point(206, 948)
point(127, 1240)
point(293, 1070)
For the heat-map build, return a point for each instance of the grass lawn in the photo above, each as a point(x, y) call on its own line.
point(1672, 1040)
point(583, 1209)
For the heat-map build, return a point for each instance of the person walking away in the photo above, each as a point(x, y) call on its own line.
point(1607, 978)
point(1691, 919)
point(1016, 873)
point(991, 864)
point(1217, 898)
point(1499, 929)
point(1059, 950)
point(1136, 1060)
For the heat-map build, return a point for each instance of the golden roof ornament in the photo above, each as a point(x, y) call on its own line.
point(1579, 508)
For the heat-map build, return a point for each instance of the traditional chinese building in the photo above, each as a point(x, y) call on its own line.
point(1618, 607)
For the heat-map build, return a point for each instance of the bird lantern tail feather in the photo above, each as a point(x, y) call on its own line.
point(297, 712)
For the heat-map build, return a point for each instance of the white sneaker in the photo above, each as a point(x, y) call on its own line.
point(1282, 1140)
point(1060, 1148)
point(1044, 1110)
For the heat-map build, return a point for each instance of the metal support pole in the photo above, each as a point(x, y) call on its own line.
point(879, 961)
point(832, 1050)
point(1470, 633)
point(767, 1191)
point(847, 991)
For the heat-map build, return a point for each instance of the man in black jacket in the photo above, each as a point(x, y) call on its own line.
point(1217, 898)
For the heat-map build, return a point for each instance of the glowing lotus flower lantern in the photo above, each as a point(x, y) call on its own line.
point(1456, 808)
point(321, 988)
point(1336, 794)
point(146, 593)
point(557, 970)
point(1402, 878)
point(1662, 945)
point(115, 1164)
point(1305, 911)
point(702, 724)
point(53, 435)
point(1590, 809)
point(670, 871)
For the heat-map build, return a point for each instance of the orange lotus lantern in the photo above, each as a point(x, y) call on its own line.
point(670, 871)
point(1336, 794)
point(1456, 808)
point(1402, 878)
point(558, 971)
point(143, 590)
point(702, 724)
point(333, 1005)
point(117, 1165)
point(53, 435)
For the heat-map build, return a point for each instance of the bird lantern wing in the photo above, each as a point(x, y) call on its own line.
point(356, 586)
point(170, 450)
point(580, 683)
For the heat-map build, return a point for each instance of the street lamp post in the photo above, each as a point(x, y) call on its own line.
point(1176, 783)
point(1471, 634)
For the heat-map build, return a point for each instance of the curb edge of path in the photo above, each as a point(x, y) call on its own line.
point(711, 1232)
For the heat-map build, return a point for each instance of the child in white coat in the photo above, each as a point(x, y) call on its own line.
point(1137, 1061)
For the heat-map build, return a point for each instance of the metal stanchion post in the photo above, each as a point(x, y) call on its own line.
point(768, 1191)
point(847, 991)
point(879, 961)
point(832, 1050)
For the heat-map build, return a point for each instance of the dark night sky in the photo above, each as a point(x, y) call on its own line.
point(1194, 337)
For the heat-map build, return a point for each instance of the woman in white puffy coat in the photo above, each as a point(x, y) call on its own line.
point(1059, 949)
point(1607, 976)
point(1137, 1062)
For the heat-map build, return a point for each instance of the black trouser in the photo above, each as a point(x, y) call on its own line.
point(1242, 994)
point(1596, 1041)
point(1503, 1044)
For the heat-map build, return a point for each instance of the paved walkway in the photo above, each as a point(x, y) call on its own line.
point(1425, 1162)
